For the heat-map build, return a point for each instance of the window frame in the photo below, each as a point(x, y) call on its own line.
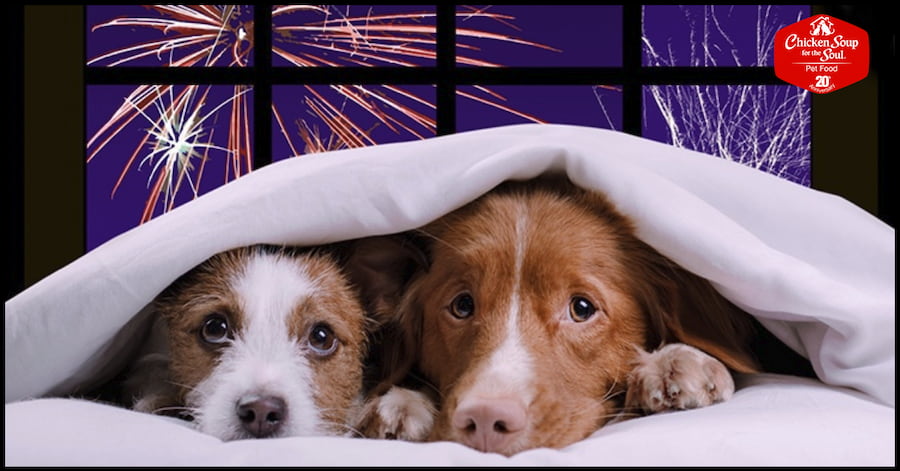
point(52, 244)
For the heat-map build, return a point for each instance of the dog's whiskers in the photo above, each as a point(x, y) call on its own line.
point(337, 425)
point(611, 392)
point(180, 411)
point(438, 239)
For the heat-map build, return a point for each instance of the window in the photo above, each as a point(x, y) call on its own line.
point(762, 125)
point(181, 98)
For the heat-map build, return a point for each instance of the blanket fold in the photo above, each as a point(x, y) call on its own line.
point(813, 268)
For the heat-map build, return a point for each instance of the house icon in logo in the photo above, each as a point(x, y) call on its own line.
point(822, 26)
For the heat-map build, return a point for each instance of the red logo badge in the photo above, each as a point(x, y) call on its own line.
point(821, 54)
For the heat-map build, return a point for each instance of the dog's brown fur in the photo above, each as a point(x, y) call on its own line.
point(163, 379)
point(546, 242)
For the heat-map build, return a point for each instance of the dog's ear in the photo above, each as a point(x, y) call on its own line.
point(685, 308)
point(381, 268)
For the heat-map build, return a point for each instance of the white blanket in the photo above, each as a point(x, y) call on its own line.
point(814, 269)
point(770, 421)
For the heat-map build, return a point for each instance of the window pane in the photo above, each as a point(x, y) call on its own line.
point(763, 126)
point(714, 35)
point(539, 35)
point(353, 35)
point(153, 147)
point(170, 35)
point(587, 105)
point(319, 118)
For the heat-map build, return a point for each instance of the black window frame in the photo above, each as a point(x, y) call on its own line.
point(632, 76)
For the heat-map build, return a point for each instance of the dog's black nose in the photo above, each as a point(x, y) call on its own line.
point(262, 417)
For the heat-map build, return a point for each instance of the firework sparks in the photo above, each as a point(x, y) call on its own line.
point(763, 126)
point(406, 39)
point(180, 134)
point(338, 112)
point(595, 89)
point(330, 36)
point(303, 36)
point(204, 35)
point(176, 139)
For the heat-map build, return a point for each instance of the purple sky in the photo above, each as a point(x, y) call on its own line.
point(677, 31)
point(290, 102)
point(107, 216)
point(109, 38)
point(307, 17)
point(587, 35)
point(567, 104)
point(759, 104)
point(735, 35)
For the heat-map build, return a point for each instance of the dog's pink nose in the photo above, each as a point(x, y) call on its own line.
point(262, 417)
point(490, 424)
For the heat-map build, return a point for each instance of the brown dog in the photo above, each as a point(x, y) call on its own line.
point(530, 312)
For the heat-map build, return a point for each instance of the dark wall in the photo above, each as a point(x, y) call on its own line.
point(53, 164)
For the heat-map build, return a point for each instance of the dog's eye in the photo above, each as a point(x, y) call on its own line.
point(581, 309)
point(322, 340)
point(215, 329)
point(462, 306)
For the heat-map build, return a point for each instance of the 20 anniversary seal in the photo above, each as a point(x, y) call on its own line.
point(821, 54)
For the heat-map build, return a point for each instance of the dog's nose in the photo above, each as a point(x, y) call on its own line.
point(262, 417)
point(490, 424)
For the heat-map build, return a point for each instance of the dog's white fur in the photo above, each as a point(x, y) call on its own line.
point(677, 376)
point(403, 414)
point(262, 360)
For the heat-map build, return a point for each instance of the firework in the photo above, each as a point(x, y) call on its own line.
point(345, 36)
point(195, 35)
point(349, 116)
point(762, 126)
point(179, 136)
point(597, 106)
point(303, 36)
point(179, 132)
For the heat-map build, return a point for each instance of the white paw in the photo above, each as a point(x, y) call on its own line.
point(401, 414)
point(677, 376)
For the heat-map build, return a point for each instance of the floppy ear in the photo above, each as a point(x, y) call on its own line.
point(381, 268)
point(685, 308)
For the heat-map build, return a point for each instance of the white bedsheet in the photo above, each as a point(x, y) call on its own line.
point(771, 421)
point(814, 269)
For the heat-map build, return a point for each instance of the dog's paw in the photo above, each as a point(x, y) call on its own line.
point(677, 376)
point(399, 414)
